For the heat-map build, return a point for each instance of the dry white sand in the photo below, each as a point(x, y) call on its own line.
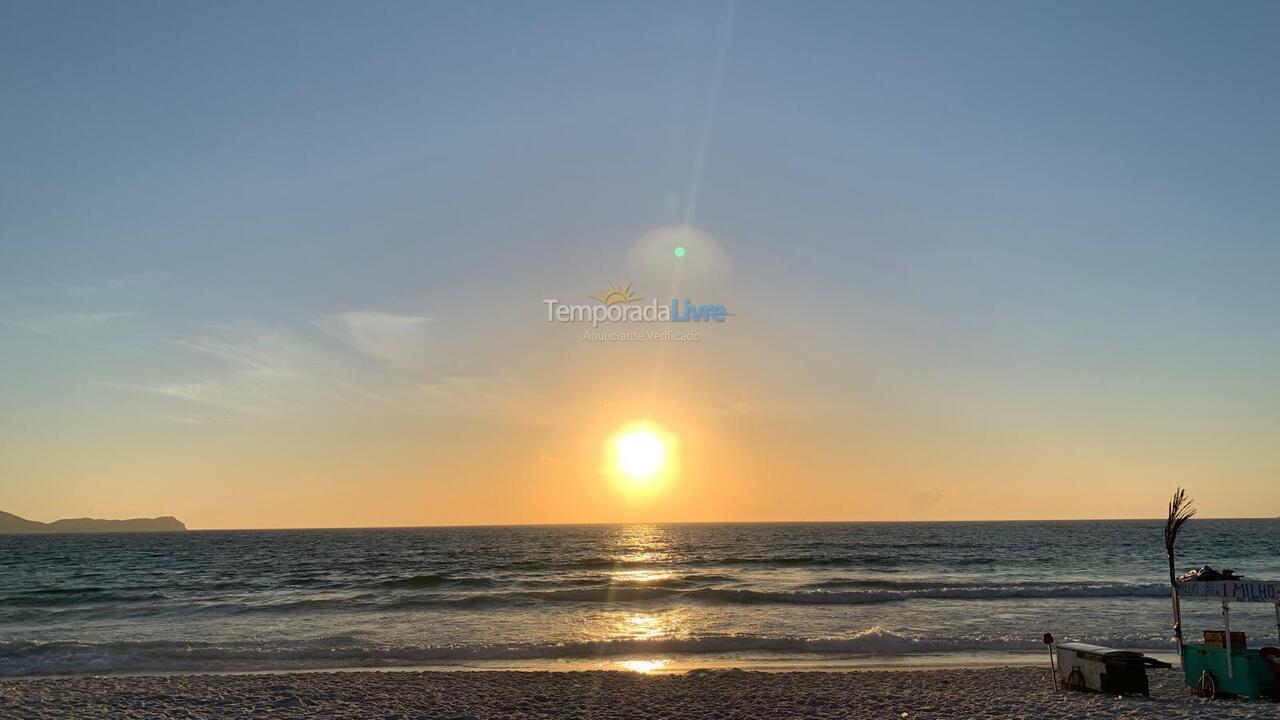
point(1019, 692)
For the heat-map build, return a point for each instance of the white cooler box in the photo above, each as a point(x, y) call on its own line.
point(1103, 669)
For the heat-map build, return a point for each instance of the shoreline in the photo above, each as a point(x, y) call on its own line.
point(1011, 691)
point(641, 665)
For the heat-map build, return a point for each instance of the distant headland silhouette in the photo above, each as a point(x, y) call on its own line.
point(10, 523)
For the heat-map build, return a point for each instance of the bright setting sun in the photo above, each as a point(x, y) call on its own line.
point(640, 454)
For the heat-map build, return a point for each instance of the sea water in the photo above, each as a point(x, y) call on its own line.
point(626, 596)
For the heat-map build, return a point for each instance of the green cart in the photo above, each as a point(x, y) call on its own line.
point(1232, 671)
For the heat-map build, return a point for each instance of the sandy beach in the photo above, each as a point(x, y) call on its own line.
point(1015, 692)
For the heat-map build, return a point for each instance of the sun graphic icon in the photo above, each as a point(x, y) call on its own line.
point(611, 295)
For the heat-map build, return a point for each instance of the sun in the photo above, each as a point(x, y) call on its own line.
point(640, 454)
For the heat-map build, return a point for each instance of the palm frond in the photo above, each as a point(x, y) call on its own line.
point(1181, 510)
point(1180, 513)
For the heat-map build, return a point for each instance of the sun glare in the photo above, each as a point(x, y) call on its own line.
point(640, 455)
point(644, 667)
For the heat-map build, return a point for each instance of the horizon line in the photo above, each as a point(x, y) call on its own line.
point(707, 522)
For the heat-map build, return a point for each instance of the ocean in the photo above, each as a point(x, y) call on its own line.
point(641, 597)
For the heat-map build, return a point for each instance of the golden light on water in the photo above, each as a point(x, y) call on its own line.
point(645, 626)
point(641, 456)
point(644, 667)
point(641, 576)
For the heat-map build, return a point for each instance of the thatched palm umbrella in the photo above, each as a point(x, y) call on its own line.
point(1180, 513)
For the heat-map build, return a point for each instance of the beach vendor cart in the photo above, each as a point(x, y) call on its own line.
point(1223, 664)
point(1102, 669)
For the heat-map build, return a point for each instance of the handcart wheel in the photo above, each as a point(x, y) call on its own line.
point(1075, 680)
point(1207, 686)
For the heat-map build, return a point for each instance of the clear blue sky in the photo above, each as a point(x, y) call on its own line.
point(1051, 225)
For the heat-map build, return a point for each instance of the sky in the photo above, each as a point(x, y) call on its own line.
point(284, 264)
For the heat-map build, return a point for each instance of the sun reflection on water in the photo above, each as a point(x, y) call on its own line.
point(639, 625)
point(643, 626)
point(644, 667)
point(640, 576)
point(641, 544)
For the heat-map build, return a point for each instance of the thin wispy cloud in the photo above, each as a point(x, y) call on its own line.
point(259, 350)
point(401, 341)
point(262, 370)
point(253, 369)
point(233, 394)
point(238, 394)
point(266, 371)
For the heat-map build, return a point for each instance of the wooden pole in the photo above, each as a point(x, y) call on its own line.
point(1053, 671)
point(1226, 624)
point(1177, 613)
